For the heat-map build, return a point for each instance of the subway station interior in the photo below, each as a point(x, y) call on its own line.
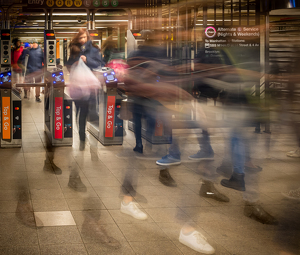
point(105, 159)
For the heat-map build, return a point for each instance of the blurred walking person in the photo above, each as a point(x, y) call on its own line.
point(32, 60)
point(81, 47)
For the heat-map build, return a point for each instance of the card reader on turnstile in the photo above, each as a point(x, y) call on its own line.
point(103, 121)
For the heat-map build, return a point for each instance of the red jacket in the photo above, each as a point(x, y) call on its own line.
point(15, 55)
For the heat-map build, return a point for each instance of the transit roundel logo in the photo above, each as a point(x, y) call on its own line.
point(210, 32)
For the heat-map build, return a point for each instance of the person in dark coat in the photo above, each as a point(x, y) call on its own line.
point(34, 66)
point(82, 47)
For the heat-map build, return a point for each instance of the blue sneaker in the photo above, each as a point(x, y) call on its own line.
point(202, 155)
point(168, 160)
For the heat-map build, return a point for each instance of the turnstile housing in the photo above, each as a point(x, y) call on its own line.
point(108, 128)
point(11, 119)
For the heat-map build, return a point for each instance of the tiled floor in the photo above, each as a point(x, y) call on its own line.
point(40, 214)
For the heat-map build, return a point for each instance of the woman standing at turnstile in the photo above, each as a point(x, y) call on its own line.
point(82, 47)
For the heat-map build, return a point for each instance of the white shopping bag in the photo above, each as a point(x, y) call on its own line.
point(82, 81)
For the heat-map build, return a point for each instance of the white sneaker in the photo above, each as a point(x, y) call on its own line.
point(132, 210)
point(294, 154)
point(197, 242)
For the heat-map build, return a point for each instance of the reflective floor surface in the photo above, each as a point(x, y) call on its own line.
point(67, 201)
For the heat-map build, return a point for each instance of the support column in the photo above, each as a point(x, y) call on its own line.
point(46, 19)
point(50, 22)
point(257, 87)
point(93, 21)
point(88, 24)
point(267, 81)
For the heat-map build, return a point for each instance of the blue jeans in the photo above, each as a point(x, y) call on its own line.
point(204, 143)
point(237, 152)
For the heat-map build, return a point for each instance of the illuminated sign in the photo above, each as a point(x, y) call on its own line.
point(96, 3)
point(58, 118)
point(210, 32)
point(78, 3)
point(50, 3)
point(105, 3)
point(94, 34)
point(110, 113)
point(114, 3)
point(5, 34)
point(137, 34)
point(6, 118)
point(68, 3)
point(59, 3)
point(92, 4)
point(232, 45)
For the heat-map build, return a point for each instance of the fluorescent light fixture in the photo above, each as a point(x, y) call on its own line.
point(65, 27)
point(75, 32)
point(69, 14)
point(119, 20)
point(218, 20)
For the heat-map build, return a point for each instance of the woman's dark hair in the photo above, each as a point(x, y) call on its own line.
point(75, 44)
point(15, 40)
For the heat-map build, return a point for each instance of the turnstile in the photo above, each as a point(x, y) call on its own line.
point(160, 135)
point(11, 106)
point(58, 111)
point(11, 117)
point(58, 105)
point(103, 121)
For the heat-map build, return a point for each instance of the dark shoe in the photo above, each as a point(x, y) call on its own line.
point(76, 184)
point(138, 148)
point(56, 169)
point(225, 170)
point(256, 212)
point(208, 190)
point(166, 179)
point(52, 167)
point(38, 99)
point(236, 182)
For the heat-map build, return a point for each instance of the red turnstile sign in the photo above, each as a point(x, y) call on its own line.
point(58, 118)
point(158, 128)
point(6, 118)
point(110, 114)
